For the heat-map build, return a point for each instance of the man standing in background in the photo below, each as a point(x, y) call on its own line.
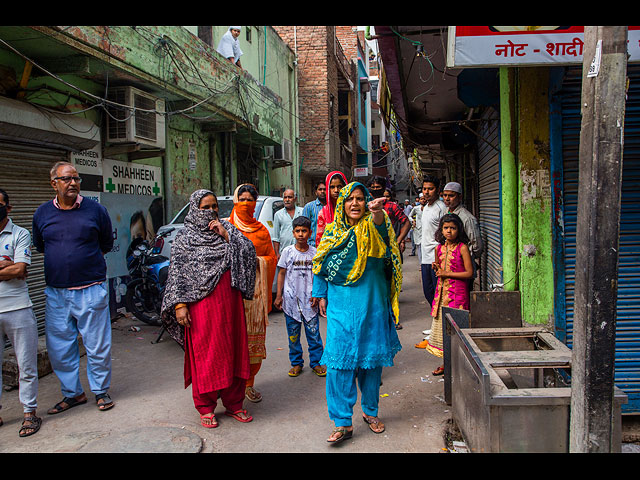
point(283, 222)
point(452, 196)
point(312, 209)
point(432, 211)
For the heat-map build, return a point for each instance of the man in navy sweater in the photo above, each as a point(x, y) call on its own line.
point(74, 233)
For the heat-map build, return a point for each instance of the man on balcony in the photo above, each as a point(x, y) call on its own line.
point(229, 46)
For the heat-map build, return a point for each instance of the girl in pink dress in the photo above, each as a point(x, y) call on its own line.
point(453, 268)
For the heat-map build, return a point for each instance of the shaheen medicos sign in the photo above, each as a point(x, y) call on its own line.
point(487, 46)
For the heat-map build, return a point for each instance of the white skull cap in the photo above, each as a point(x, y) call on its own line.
point(453, 186)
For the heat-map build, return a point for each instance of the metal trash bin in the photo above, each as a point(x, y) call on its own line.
point(510, 390)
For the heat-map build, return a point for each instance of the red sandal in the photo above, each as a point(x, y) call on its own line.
point(213, 422)
point(247, 418)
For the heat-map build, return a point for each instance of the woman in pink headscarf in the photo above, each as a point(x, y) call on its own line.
point(334, 182)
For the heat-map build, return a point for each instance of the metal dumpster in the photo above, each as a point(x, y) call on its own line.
point(510, 390)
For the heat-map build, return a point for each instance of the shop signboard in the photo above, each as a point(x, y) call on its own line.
point(128, 178)
point(490, 46)
point(88, 164)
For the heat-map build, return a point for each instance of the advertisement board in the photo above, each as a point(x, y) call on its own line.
point(491, 46)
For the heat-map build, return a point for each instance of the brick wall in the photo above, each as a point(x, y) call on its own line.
point(318, 76)
point(349, 40)
point(313, 85)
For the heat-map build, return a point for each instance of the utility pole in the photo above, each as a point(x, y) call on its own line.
point(596, 283)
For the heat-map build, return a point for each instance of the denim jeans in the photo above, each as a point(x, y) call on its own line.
point(314, 341)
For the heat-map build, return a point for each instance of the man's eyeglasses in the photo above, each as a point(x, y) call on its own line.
point(68, 179)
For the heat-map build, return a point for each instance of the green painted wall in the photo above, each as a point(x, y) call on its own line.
point(270, 63)
point(534, 220)
point(193, 165)
point(173, 63)
point(510, 179)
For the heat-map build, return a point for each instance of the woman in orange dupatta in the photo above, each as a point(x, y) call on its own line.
point(334, 182)
point(256, 310)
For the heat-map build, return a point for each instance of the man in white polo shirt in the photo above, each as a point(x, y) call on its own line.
point(433, 210)
point(17, 320)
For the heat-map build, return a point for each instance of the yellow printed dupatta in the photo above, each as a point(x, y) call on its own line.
point(341, 257)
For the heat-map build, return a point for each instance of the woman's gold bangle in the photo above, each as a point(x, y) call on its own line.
point(180, 305)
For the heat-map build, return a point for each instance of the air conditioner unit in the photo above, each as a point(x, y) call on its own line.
point(140, 120)
point(283, 152)
point(279, 155)
point(268, 152)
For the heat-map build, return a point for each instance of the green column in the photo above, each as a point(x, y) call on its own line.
point(535, 247)
point(509, 172)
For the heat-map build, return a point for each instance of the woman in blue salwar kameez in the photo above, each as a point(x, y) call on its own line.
point(357, 277)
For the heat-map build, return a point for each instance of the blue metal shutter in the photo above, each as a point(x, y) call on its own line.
point(490, 198)
point(627, 367)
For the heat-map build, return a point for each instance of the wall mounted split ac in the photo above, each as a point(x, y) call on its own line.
point(279, 155)
point(140, 119)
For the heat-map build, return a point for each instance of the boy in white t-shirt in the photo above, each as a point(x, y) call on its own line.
point(295, 282)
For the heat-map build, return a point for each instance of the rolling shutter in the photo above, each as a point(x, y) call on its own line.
point(627, 363)
point(25, 177)
point(490, 198)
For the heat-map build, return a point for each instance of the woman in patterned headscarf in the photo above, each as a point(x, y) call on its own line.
point(358, 277)
point(212, 269)
point(258, 308)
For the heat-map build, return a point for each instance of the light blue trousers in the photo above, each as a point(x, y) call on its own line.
point(85, 312)
point(342, 393)
point(20, 326)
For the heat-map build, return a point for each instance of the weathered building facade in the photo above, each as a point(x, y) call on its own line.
point(328, 97)
point(148, 114)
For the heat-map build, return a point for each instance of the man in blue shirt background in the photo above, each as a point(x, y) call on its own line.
point(312, 209)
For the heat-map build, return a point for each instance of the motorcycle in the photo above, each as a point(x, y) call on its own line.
point(148, 271)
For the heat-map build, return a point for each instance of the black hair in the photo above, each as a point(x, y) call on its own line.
point(301, 221)
point(451, 217)
point(248, 188)
point(317, 184)
point(211, 194)
point(138, 216)
point(5, 196)
point(338, 176)
point(378, 180)
point(432, 179)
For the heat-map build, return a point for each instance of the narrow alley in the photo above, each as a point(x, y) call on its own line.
point(154, 413)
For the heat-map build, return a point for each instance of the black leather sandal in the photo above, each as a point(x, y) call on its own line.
point(107, 404)
point(70, 403)
point(32, 427)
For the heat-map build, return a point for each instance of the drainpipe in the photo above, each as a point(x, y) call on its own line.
point(264, 68)
point(509, 183)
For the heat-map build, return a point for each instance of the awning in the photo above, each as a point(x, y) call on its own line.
point(24, 122)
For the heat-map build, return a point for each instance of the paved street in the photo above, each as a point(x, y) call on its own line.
point(155, 413)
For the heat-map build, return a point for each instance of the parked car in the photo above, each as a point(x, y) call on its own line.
point(266, 208)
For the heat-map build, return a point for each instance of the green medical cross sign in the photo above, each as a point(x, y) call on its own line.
point(111, 187)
